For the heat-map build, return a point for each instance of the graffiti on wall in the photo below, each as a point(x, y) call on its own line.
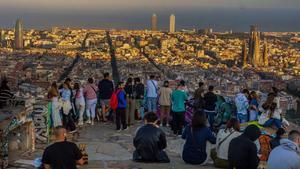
point(40, 120)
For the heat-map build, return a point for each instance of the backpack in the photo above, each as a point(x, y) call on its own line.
point(113, 103)
point(265, 147)
point(224, 112)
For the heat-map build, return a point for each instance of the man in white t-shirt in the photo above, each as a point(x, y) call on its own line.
point(152, 88)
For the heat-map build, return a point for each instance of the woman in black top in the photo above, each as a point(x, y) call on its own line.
point(138, 93)
point(129, 88)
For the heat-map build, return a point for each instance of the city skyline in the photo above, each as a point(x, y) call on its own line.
point(220, 20)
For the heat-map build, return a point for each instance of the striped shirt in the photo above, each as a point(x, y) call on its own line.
point(5, 96)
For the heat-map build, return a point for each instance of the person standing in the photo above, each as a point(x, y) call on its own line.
point(242, 105)
point(121, 108)
point(178, 97)
point(242, 153)
point(66, 94)
point(210, 99)
point(139, 90)
point(130, 106)
point(152, 89)
point(79, 102)
point(53, 96)
point(276, 97)
point(197, 135)
point(62, 153)
point(253, 112)
point(106, 89)
point(164, 101)
point(90, 93)
point(199, 97)
point(287, 154)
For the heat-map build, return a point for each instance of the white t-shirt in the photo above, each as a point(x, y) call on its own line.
point(222, 150)
point(152, 88)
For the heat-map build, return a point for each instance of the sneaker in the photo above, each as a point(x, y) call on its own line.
point(80, 123)
point(125, 129)
point(71, 132)
point(88, 121)
point(92, 123)
point(119, 130)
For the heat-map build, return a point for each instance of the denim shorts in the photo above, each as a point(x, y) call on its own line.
point(104, 102)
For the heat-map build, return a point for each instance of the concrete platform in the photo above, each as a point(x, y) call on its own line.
point(109, 149)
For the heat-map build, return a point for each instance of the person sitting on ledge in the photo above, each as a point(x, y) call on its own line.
point(150, 142)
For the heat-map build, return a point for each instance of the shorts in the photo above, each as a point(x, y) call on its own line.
point(104, 102)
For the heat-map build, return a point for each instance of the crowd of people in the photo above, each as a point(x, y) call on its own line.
point(72, 103)
point(230, 134)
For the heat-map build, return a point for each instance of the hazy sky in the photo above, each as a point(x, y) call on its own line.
point(271, 15)
point(52, 5)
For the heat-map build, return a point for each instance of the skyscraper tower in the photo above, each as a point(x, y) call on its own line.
point(254, 46)
point(244, 54)
point(19, 34)
point(172, 23)
point(154, 22)
point(265, 53)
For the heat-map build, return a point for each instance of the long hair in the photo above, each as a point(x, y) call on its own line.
point(269, 101)
point(254, 95)
point(233, 123)
point(76, 87)
point(53, 90)
point(199, 120)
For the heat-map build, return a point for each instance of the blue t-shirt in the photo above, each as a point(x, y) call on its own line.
point(254, 102)
point(122, 99)
point(65, 94)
